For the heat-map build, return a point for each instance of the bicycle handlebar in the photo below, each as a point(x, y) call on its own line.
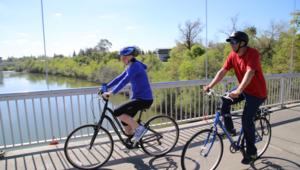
point(211, 92)
point(103, 88)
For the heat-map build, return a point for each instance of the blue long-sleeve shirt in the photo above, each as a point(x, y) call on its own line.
point(137, 76)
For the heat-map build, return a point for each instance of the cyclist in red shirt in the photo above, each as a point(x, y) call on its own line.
point(252, 88)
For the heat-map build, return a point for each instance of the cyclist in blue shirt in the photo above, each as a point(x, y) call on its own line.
point(142, 98)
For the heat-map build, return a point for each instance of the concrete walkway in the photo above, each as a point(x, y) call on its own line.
point(283, 152)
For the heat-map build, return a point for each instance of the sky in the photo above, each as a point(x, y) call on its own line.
point(71, 25)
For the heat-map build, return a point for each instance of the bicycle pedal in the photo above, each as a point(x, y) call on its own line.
point(137, 146)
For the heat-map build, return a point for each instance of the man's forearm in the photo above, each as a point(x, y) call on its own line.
point(219, 76)
point(246, 80)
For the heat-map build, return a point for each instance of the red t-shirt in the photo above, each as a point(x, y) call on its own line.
point(240, 64)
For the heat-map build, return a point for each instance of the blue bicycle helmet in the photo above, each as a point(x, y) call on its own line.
point(130, 50)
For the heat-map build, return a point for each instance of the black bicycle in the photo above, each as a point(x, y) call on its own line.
point(204, 150)
point(90, 146)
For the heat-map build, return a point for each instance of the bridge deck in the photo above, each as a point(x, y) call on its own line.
point(283, 152)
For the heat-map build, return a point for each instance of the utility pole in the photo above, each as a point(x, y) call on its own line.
point(293, 42)
point(206, 45)
point(44, 40)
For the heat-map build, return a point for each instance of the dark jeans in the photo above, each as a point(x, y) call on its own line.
point(252, 103)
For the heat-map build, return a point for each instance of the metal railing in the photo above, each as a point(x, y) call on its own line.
point(32, 118)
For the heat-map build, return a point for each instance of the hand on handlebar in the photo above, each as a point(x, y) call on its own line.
point(235, 93)
point(206, 88)
point(103, 91)
point(106, 95)
point(227, 96)
point(211, 92)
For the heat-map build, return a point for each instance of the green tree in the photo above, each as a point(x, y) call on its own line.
point(197, 50)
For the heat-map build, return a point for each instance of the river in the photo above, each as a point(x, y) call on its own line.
point(11, 82)
point(13, 123)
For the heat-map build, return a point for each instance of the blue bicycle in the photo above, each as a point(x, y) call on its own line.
point(204, 150)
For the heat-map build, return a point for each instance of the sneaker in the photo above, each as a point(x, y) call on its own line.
point(129, 143)
point(248, 159)
point(139, 133)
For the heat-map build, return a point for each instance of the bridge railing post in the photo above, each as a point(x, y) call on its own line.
point(282, 90)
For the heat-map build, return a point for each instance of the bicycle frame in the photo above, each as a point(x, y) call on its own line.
point(217, 121)
point(116, 125)
point(236, 145)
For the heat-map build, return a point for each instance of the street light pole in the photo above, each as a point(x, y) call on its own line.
point(293, 42)
point(44, 40)
point(206, 45)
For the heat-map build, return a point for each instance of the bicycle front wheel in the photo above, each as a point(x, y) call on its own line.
point(262, 135)
point(82, 153)
point(161, 137)
point(203, 151)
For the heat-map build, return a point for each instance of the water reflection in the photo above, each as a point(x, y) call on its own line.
point(16, 82)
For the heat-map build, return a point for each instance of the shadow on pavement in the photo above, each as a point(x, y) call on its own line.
point(167, 162)
point(276, 163)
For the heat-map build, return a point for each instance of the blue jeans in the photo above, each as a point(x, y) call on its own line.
point(252, 104)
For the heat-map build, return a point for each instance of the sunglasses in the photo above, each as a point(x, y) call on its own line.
point(234, 41)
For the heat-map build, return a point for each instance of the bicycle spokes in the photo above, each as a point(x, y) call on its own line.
point(161, 137)
point(258, 137)
point(86, 150)
point(208, 147)
point(262, 135)
point(153, 137)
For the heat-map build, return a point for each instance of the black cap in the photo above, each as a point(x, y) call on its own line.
point(238, 35)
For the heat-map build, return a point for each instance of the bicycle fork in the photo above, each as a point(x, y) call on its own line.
point(94, 137)
point(203, 150)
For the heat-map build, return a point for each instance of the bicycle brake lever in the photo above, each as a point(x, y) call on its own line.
point(226, 96)
point(210, 92)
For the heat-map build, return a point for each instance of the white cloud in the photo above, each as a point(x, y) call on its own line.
point(89, 36)
point(130, 28)
point(22, 41)
point(20, 47)
point(5, 42)
point(22, 34)
point(58, 14)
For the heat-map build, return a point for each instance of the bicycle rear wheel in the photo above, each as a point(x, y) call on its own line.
point(262, 135)
point(203, 151)
point(81, 154)
point(161, 137)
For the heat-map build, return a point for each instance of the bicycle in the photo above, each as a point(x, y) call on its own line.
point(90, 146)
point(206, 146)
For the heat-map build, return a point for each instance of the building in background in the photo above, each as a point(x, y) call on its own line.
point(163, 54)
